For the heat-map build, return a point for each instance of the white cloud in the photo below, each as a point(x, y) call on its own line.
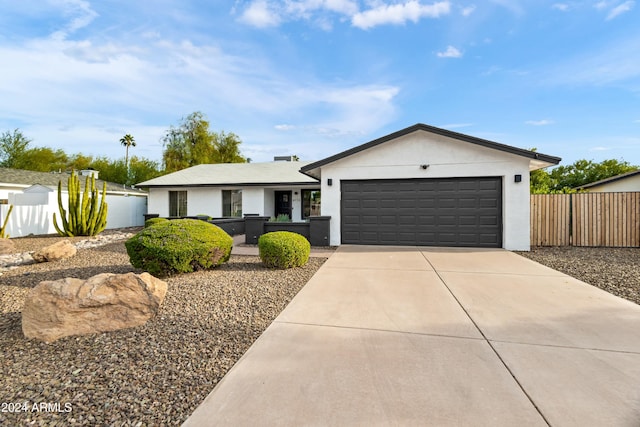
point(599, 148)
point(543, 122)
point(260, 14)
point(513, 5)
point(620, 9)
point(466, 11)
point(399, 14)
point(284, 127)
point(451, 52)
point(560, 6)
point(63, 92)
point(81, 15)
point(304, 7)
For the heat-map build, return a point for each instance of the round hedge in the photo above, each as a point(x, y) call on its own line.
point(179, 246)
point(151, 221)
point(283, 249)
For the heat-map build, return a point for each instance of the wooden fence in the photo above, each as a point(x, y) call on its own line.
point(586, 219)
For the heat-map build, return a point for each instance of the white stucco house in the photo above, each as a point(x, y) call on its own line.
point(233, 189)
point(34, 196)
point(629, 181)
point(419, 186)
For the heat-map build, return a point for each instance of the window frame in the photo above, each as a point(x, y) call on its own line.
point(237, 192)
point(304, 201)
point(178, 203)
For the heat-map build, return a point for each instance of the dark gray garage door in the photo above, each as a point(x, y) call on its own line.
point(423, 212)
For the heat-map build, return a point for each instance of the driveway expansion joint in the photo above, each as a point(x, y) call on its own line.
point(568, 347)
point(495, 351)
point(392, 331)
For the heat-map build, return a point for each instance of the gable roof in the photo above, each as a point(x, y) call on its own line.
point(538, 160)
point(611, 179)
point(234, 174)
point(26, 178)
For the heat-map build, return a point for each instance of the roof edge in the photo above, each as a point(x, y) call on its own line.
point(439, 131)
point(610, 179)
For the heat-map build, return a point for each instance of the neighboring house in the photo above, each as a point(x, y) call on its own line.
point(419, 186)
point(629, 181)
point(233, 189)
point(35, 199)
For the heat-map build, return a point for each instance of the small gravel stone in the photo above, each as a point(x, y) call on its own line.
point(156, 374)
point(615, 270)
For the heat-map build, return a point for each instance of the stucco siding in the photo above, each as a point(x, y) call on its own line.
point(204, 201)
point(631, 183)
point(253, 200)
point(445, 157)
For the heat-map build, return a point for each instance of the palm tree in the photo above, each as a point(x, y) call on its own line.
point(127, 141)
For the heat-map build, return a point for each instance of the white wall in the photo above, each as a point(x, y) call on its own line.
point(125, 211)
point(203, 201)
point(208, 200)
point(253, 200)
point(446, 157)
point(35, 216)
point(631, 183)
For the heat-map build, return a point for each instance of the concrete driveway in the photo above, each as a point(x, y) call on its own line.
point(442, 337)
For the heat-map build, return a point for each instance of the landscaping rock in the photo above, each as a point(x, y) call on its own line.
point(105, 302)
point(59, 250)
point(6, 247)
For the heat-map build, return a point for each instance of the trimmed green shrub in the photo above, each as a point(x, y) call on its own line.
point(283, 249)
point(179, 246)
point(151, 221)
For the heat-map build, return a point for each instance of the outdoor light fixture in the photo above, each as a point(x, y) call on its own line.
point(424, 166)
point(517, 178)
point(329, 182)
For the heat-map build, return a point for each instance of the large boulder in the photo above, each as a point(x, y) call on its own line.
point(59, 250)
point(7, 247)
point(106, 302)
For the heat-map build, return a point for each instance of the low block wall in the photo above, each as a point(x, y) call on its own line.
point(316, 230)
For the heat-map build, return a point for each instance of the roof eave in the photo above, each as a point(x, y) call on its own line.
point(545, 158)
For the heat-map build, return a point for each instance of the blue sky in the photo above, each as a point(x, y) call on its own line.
point(315, 77)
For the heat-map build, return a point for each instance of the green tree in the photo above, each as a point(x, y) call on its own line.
point(110, 170)
point(141, 169)
point(566, 179)
point(79, 162)
point(192, 143)
point(42, 159)
point(127, 141)
point(12, 147)
point(227, 147)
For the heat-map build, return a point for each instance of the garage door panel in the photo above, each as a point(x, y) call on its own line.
point(443, 212)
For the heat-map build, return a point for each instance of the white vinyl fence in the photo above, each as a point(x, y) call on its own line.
point(33, 212)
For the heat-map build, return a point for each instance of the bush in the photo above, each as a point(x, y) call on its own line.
point(151, 221)
point(283, 249)
point(179, 246)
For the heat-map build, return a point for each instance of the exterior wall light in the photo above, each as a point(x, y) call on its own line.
point(517, 178)
point(424, 167)
point(329, 182)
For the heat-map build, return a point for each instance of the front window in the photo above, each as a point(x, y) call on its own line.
point(177, 203)
point(232, 203)
point(310, 203)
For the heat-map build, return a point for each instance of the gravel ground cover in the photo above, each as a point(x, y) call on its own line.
point(156, 374)
point(616, 270)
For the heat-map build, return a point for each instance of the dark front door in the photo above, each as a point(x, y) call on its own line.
point(283, 203)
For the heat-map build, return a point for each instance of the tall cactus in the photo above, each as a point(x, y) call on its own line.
point(86, 216)
point(4, 224)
